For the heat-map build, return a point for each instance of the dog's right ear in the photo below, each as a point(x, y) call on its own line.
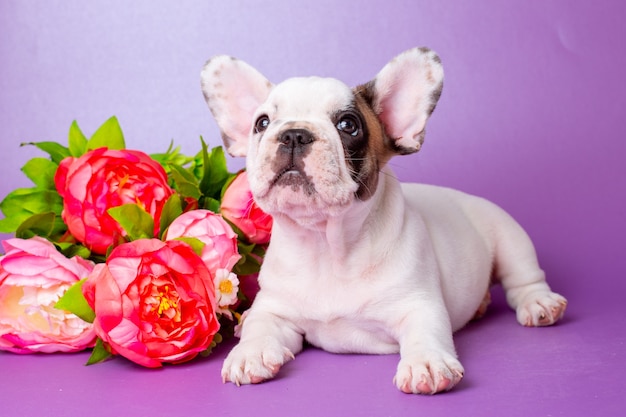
point(233, 90)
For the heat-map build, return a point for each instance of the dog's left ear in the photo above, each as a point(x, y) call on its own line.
point(233, 91)
point(404, 94)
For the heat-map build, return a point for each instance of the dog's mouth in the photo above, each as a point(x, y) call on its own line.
point(306, 194)
point(295, 178)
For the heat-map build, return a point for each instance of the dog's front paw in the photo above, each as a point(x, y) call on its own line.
point(428, 373)
point(255, 361)
point(541, 309)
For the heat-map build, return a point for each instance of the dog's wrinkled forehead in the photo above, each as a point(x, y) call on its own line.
point(307, 98)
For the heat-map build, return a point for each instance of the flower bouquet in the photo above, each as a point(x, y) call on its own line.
point(151, 257)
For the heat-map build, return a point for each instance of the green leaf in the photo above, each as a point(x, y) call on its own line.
point(22, 203)
point(217, 339)
point(184, 182)
point(70, 250)
point(249, 262)
point(56, 151)
point(211, 204)
point(215, 171)
point(46, 225)
point(137, 222)
point(99, 353)
point(41, 172)
point(31, 200)
point(9, 225)
point(171, 157)
point(184, 174)
point(197, 166)
point(77, 141)
point(108, 135)
point(171, 210)
point(196, 244)
point(165, 157)
point(74, 301)
point(246, 266)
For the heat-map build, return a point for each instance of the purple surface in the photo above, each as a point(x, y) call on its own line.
point(531, 117)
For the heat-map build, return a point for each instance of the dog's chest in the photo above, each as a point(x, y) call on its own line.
point(351, 310)
point(352, 318)
point(350, 335)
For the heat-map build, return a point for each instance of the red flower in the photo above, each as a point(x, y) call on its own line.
point(239, 208)
point(104, 178)
point(154, 302)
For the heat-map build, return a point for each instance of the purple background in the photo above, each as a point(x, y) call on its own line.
point(531, 117)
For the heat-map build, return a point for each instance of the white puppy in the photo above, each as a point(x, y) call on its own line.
point(358, 262)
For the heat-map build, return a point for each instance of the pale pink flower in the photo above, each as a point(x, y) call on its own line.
point(33, 276)
point(220, 241)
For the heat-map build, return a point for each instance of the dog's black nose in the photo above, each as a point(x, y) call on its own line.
point(295, 138)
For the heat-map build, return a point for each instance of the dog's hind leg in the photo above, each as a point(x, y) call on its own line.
point(517, 268)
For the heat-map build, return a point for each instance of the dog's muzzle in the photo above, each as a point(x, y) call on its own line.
point(294, 146)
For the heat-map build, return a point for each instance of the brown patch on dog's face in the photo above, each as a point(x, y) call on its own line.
point(368, 152)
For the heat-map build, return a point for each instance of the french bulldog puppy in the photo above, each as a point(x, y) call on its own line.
point(359, 262)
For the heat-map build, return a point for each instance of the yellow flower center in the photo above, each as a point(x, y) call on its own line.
point(165, 303)
point(226, 286)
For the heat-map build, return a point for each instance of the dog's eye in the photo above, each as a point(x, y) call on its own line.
point(348, 125)
point(261, 124)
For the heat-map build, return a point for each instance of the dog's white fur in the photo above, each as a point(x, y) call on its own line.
point(358, 266)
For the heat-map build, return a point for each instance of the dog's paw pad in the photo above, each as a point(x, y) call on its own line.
point(428, 373)
point(253, 362)
point(541, 309)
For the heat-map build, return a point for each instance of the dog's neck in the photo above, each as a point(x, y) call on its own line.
point(336, 236)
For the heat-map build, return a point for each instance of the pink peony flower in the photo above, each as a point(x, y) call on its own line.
point(104, 178)
point(239, 208)
point(220, 250)
point(33, 276)
point(154, 302)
